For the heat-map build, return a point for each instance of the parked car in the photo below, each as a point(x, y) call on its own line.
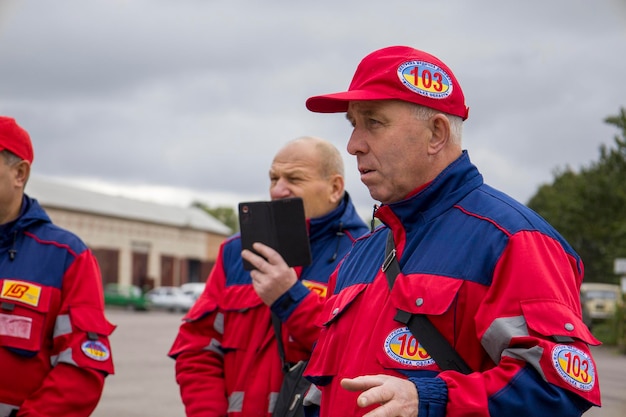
point(170, 298)
point(129, 296)
point(194, 289)
point(600, 299)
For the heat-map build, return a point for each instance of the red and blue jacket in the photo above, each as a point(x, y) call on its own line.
point(227, 360)
point(54, 347)
point(495, 279)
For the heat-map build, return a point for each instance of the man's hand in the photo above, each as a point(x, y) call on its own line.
point(272, 277)
point(397, 397)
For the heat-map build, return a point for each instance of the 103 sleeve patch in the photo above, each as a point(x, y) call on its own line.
point(95, 350)
point(574, 366)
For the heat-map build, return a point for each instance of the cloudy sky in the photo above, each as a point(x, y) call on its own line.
point(181, 100)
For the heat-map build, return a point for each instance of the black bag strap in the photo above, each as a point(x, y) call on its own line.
point(424, 331)
point(279, 338)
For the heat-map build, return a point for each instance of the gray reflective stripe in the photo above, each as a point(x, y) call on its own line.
point(63, 325)
point(218, 324)
point(532, 356)
point(214, 346)
point(273, 398)
point(498, 336)
point(64, 357)
point(5, 409)
point(312, 396)
point(235, 402)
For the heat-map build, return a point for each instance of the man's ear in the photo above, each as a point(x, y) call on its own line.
point(337, 184)
point(22, 173)
point(440, 128)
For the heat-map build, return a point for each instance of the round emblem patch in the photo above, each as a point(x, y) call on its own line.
point(425, 79)
point(95, 350)
point(402, 347)
point(574, 366)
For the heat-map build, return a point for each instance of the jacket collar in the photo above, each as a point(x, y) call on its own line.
point(448, 188)
point(343, 217)
point(31, 212)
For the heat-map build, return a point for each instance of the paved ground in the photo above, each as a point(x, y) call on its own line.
point(144, 384)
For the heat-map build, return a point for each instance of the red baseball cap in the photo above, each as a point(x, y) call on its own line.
point(399, 73)
point(15, 139)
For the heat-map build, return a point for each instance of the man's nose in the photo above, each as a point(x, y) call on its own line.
point(280, 190)
point(356, 144)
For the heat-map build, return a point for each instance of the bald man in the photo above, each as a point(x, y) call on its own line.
point(227, 360)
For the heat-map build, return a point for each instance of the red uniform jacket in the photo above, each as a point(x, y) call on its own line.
point(54, 347)
point(499, 283)
point(226, 353)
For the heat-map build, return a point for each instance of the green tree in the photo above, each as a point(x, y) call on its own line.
point(226, 215)
point(589, 207)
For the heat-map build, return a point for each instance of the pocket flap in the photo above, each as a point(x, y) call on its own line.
point(424, 294)
point(89, 319)
point(26, 294)
point(552, 318)
point(337, 303)
point(237, 297)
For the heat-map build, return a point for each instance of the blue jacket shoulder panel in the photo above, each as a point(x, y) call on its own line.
point(36, 250)
point(233, 263)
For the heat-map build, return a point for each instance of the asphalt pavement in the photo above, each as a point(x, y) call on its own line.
point(144, 383)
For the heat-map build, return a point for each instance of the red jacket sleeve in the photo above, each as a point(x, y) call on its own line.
point(535, 283)
point(68, 391)
point(197, 350)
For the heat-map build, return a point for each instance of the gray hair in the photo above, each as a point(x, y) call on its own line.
point(9, 157)
point(456, 123)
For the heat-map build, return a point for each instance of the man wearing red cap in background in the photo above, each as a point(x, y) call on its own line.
point(498, 282)
point(54, 347)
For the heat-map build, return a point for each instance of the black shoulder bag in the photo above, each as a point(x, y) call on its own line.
point(433, 341)
point(295, 386)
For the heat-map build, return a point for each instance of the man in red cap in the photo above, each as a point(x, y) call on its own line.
point(498, 283)
point(54, 347)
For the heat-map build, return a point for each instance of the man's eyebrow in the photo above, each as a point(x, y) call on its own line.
point(363, 112)
point(288, 171)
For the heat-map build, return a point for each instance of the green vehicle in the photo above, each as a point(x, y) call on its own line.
point(129, 296)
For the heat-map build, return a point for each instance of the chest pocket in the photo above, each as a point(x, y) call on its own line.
point(246, 318)
point(418, 294)
point(425, 294)
point(338, 303)
point(23, 310)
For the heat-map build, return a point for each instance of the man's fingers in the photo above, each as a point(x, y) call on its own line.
point(371, 387)
point(390, 395)
point(270, 255)
point(255, 260)
point(359, 383)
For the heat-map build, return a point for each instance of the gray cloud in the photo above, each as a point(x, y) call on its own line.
point(199, 95)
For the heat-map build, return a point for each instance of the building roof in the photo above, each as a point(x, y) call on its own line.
point(52, 193)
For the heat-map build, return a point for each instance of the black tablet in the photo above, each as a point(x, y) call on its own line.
point(279, 224)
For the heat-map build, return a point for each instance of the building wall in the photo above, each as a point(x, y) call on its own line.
point(160, 252)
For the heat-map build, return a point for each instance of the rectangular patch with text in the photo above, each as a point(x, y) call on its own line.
point(21, 291)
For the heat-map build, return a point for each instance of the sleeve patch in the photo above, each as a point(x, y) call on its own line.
point(95, 350)
point(574, 366)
